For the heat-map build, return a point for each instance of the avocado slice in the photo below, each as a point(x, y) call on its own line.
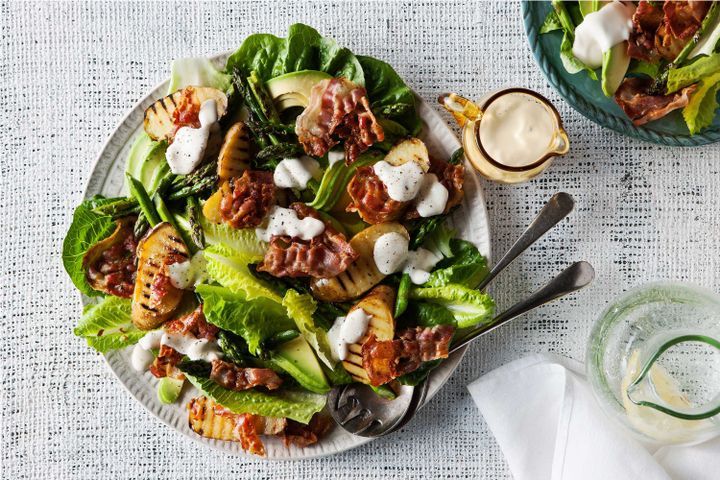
point(298, 360)
point(293, 89)
point(168, 389)
point(146, 160)
point(614, 67)
point(591, 6)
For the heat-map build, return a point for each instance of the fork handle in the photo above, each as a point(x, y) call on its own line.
point(573, 278)
point(558, 207)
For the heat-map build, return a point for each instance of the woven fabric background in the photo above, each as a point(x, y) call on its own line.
point(70, 71)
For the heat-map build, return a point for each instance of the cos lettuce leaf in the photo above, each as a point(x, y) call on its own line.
point(469, 307)
point(389, 96)
point(197, 72)
point(303, 49)
point(295, 404)
point(703, 67)
point(87, 228)
point(430, 314)
point(701, 109)
point(230, 269)
point(465, 266)
point(107, 325)
point(242, 240)
point(301, 307)
point(551, 23)
point(253, 320)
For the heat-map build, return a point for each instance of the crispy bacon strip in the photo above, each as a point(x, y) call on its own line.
point(165, 364)
point(389, 359)
point(247, 199)
point(300, 435)
point(324, 256)
point(451, 177)
point(661, 31)
point(370, 198)
point(238, 378)
point(642, 107)
point(194, 323)
point(338, 110)
point(684, 18)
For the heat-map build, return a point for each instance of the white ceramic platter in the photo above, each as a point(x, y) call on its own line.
point(108, 179)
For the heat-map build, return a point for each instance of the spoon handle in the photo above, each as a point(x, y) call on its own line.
point(573, 278)
point(557, 208)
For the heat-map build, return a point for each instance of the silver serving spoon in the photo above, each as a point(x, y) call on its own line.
point(361, 411)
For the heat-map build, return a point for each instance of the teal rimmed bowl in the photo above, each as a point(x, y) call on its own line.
point(585, 95)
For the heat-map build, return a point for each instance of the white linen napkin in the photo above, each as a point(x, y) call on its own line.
point(549, 426)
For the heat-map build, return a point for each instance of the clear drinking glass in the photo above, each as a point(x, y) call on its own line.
point(653, 361)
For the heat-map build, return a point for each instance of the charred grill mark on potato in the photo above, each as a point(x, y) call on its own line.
point(155, 298)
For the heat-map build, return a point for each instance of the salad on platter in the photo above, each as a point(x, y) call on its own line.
point(654, 57)
point(284, 232)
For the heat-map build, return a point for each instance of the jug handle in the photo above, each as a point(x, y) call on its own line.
point(651, 361)
point(462, 109)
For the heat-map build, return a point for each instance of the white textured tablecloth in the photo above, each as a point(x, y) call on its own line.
point(69, 72)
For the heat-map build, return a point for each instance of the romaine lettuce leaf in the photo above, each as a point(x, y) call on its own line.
point(196, 72)
point(242, 240)
point(303, 49)
point(702, 67)
point(254, 320)
point(438, 241)
point(551, 23)
point(87, 228)
point(230, 269)
point(570, 61)
point(703, 104)
point(469, 307)
point(429, 314)
point(298, 405)
point(465, 266)
point(301, 307)
point(389, 96)
point(107, 325)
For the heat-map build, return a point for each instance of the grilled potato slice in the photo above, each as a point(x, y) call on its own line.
point(159, 116)
point(363, 274)
point(379, 303)
point(205, 420)
point(123, 229)
point(161, 242)
point(409, 150)
point(211, 208)
point(234, 157)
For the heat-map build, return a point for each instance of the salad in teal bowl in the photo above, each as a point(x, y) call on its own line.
point(648, 69)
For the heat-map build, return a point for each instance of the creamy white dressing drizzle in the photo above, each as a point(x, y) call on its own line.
point(403, 182)
point(194, 348)
point(335, 156)
point(346, 331)
point(517, 129)
point(284, 221)
point(188, 147)
point(188, 274)
point(600, 31)
point(419, 264)
point(295, 172)
point(390, 252)
point(432, 197)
